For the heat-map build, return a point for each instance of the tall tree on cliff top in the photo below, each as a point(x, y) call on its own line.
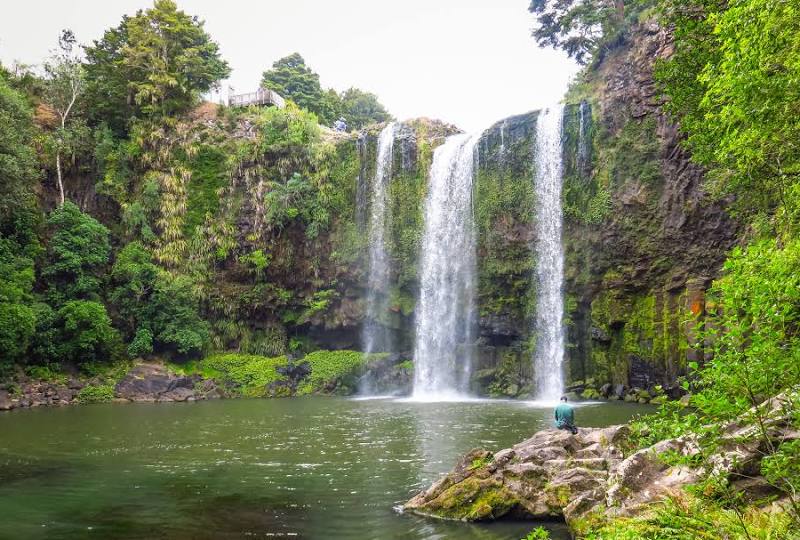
point(156, 63)
point(579, 27)
point(64, 85)
point(293, 79)
point(361, 108)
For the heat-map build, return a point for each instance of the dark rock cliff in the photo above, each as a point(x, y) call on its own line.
point(637, 274)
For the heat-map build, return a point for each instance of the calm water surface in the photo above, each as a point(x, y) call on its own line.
point(324, 468)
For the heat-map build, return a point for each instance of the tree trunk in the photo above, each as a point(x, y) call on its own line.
point(58, 170)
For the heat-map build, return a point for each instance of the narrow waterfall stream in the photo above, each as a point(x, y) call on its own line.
point(375, 335)
point(445, 319)
point(549, 251)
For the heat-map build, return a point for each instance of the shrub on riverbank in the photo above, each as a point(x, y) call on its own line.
point(692, 518)
point(257, 376)
point(245, 374)
point(101, 393)
point(336, 371)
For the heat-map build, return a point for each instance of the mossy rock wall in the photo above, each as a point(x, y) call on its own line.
point(643, 239)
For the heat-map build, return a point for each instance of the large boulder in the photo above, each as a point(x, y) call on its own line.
point(154, 382)
point(538, 478)
point(555, 474)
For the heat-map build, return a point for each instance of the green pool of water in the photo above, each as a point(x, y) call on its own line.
point(324, 468)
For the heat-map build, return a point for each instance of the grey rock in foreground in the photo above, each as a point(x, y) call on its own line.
point(557, 475)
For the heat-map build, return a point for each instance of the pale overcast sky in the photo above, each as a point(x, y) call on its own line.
point(469, 62)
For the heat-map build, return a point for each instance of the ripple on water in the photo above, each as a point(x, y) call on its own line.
point(329, 468)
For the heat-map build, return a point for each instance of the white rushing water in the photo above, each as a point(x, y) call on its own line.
point(445, 315)
point(549, 353)
point(376, 337)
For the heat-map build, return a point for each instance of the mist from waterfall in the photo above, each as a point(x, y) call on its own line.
point(446, 312)
point(549, 352)
point(376, 337)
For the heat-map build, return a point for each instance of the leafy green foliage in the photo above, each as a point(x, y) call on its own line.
point(154, 302)
point(76, 254)
point(96, 394)
point(18, 162)
point(209, 176)
point(584, 29)
point(47, 373)
point(754, 326)
point(293, 79)
point(86, 332)
point(731, 84)
point(690, 519)
point(539, 533)
point(17, 317)
point(157, 62)
point(362, 108)
point(246, 374)
point(329, 368)
point(142, 343)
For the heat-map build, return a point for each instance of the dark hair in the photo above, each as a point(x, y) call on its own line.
point(563, 398)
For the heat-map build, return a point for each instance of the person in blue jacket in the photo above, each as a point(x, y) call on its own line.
point(565, 416)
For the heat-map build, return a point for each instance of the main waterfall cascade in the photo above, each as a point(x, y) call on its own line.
point(376, 337)
point(446, 311)
point(549, 252)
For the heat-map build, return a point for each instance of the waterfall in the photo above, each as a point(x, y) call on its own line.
point(549, 353)
point(445, 315)
point(376, 337)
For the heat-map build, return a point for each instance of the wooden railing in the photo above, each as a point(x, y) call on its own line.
point(263, 97)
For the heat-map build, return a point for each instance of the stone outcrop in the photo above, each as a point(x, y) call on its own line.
point(553, 474)
point(557, 475)
point(146, 382)
point(154, 382)
point(27, 392)
point(637, 278)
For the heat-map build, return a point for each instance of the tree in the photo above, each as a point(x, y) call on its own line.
point(86, 332)
point(107, 92)
point(159, 310)
point(293, 79)
point(361, 108)
point(18, 173)
point(579, 27)
point(65, 83)
point(76, 254)
point(733, 87)
point(17, 317)
point(155, 63)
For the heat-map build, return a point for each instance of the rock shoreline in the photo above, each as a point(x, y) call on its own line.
point(145, 382)
point(595, 475)
point(156, 382)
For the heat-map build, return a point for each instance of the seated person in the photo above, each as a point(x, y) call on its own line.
point(565, 416)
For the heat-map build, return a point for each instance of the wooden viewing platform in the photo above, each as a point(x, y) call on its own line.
point(263, 97)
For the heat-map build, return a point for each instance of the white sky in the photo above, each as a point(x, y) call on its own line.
point(469, 62)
